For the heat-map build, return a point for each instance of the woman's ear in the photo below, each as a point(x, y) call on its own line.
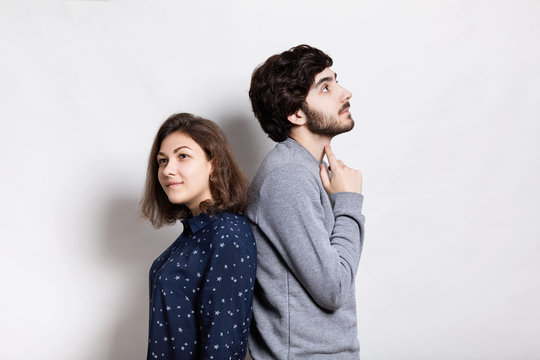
point(297, 118)
point(211, 167)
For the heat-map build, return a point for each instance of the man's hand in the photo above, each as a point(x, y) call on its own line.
point(344, 179)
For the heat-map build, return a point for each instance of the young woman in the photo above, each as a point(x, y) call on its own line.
point(201, 287)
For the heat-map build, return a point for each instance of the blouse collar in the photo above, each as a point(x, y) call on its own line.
point(198, 222)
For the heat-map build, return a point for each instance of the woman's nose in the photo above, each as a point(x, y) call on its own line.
point(170, 168)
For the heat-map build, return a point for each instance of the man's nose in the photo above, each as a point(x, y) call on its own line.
point(346, 95)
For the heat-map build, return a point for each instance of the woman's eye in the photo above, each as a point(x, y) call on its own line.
point(183, 156)
point(325, 88)
point(162, 161)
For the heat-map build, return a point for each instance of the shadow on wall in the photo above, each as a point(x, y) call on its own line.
point(248, 142)
point(129, 247)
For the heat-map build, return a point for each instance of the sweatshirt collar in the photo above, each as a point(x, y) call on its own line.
point(303, 152)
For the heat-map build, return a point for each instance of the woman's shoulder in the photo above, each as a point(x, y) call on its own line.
point(231, 228)
point(231, 221)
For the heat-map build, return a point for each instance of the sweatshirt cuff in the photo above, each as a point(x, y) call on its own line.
point(347, 203)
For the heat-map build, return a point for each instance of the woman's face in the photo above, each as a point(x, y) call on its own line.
point(184, 171)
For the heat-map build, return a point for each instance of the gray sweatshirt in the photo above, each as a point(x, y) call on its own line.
point(308, 250)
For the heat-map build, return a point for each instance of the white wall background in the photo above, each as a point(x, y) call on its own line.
point(446, 101)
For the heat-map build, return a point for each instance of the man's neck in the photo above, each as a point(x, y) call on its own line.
point(314, 143)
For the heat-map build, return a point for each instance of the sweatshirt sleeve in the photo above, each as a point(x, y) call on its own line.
point(291, 215)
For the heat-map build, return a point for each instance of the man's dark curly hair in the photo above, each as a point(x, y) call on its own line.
point(280, 85)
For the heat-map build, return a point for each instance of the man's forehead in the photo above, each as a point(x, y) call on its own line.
point(326, 74)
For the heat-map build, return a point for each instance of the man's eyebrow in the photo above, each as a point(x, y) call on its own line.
point(325, 79)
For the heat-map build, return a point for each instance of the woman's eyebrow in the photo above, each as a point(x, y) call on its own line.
point(180, 148)
point(176, 150)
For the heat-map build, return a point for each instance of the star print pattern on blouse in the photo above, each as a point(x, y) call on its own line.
point(201, 291)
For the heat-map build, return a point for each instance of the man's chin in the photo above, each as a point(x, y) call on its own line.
point(349, 126)
point(335, 130)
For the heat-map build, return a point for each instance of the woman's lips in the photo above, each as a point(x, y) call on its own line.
point(174, 184)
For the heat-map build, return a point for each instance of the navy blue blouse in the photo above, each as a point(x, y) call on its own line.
point(201, 291)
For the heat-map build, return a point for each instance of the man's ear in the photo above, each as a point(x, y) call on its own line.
point(297, 118)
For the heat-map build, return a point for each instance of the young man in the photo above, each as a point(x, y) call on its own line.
point(308, 224)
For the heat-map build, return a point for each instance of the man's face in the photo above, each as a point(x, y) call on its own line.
point(327, 106)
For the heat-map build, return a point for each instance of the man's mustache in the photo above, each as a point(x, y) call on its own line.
point(345, 107)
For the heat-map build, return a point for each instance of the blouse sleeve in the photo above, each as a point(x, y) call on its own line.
point(226, 296)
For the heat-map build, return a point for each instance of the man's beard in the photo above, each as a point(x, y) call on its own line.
point(327, 125)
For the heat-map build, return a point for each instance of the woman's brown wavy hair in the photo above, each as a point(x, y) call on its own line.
point(228, 184)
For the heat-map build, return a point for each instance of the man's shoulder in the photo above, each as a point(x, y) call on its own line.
point(286, 158)
point(281, 171)
point(279, 155)
point(288, 173)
